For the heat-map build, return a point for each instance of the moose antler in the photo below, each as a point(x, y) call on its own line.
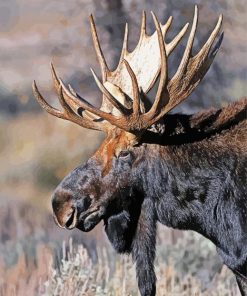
point(134, 76)
point(67, 113)
point(144, 58)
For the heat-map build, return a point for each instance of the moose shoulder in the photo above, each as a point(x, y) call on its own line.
point(185, 171)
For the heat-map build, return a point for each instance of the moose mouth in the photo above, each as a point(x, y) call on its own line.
point(85, 221)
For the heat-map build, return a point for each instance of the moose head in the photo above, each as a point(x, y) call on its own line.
point(139, 175)
point(84, 197)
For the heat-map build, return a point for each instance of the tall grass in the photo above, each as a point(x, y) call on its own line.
point(77, 275)
point(35, 260)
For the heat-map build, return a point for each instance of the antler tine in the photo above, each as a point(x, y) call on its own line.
point(135, 89)
point(187, 52)
point(55, 78)
point(78, 101)
point(125, 44)
point(86, 113)
point(51, 110)
point(192, 68)
point(99, 53)
point(121, 122)
point(166, 25)
point(82, 103)
point(170, 46)
point(72, 90)
point(145, 47)
point(63, 103)
point(143, 25)
point(164, 71)
point(207, 46)
point(68, 113)
point(71, 103)
point(71, 116)
point(109, 96)
point(57, 87)
point(217, 46)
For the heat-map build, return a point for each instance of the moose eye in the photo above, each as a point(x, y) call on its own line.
point(123, 154)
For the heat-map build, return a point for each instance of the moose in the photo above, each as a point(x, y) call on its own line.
point(184, 171)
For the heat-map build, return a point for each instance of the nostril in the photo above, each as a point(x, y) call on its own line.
point(72, 220)
point(85, 203)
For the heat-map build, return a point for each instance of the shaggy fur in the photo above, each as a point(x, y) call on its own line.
point(193, 176)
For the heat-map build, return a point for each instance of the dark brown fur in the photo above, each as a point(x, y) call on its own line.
point(191, 176)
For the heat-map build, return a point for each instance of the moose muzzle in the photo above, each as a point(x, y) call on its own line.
point(67, 209)
point(71, 211)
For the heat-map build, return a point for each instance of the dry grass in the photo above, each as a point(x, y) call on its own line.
point(34, 259)
point(77, 275)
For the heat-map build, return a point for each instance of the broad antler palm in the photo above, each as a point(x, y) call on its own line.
point(134, 76)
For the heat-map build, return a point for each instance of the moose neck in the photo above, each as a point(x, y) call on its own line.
point(194, 186)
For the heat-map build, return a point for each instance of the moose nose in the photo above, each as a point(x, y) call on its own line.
point(67, 208)
point(64, 211)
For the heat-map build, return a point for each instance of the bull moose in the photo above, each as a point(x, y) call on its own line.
point(184, 171)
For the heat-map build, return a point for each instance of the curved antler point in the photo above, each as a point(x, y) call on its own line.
point(91, 19)
point(62, 85)
point(35, 88)
point(94, 75)
point(169, 21)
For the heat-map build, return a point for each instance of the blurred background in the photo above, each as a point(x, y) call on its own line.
point(37, 150)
